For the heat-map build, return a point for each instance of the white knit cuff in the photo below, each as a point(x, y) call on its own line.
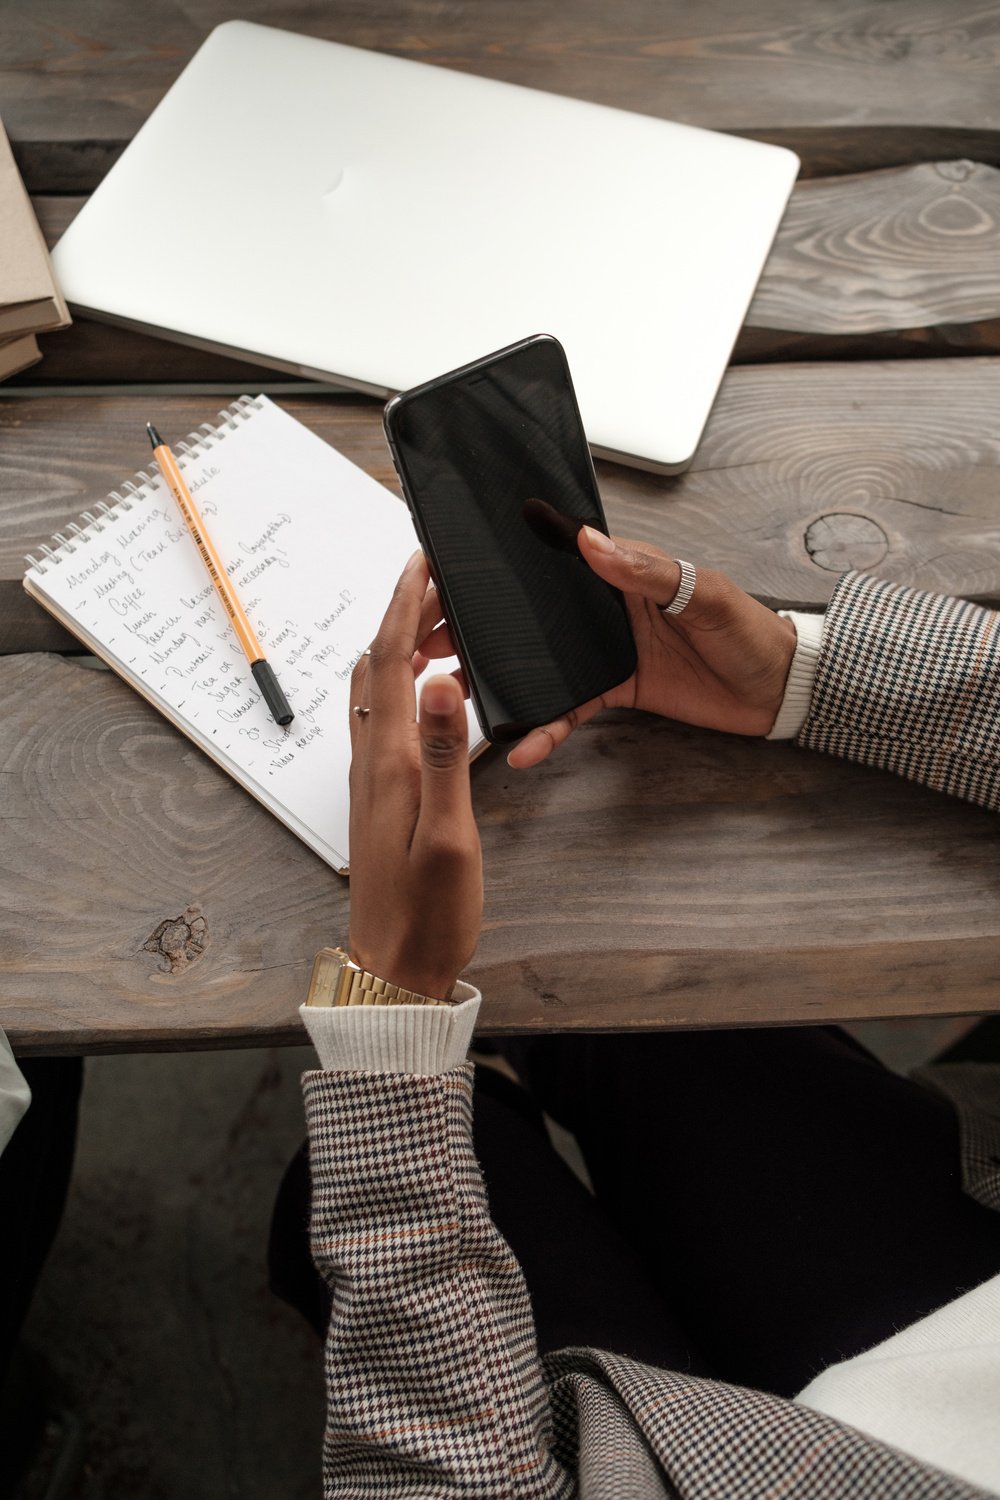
point(801, 675)
point(423, 1039)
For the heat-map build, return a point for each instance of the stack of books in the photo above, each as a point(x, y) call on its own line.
point(30, 301)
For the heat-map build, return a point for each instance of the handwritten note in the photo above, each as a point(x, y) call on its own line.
point(313, 547)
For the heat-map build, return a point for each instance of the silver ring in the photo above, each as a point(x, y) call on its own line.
point(359, 712)
point(682, 598)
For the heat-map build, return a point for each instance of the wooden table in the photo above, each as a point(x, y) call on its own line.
point(651, 875)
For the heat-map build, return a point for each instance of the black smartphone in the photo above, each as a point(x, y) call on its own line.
point(496, 470)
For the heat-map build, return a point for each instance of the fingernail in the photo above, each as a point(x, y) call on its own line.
point(533, 735)
point(598, 540)
point(413, 560)
point(439, 696)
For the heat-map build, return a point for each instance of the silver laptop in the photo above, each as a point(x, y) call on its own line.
point(357, 218)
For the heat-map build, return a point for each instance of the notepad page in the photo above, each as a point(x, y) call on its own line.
point(313, 547)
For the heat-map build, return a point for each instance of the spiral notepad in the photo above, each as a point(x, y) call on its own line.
point(313, 547)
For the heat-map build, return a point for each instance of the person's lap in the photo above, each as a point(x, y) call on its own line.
point(588, 1284)
point(35, 1172)
point(794, 1200)
point(766, 1202)
point(570, 1252)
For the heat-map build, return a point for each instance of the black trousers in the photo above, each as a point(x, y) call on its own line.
point(765, 1202)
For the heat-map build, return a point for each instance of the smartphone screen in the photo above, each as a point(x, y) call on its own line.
point(496, 470)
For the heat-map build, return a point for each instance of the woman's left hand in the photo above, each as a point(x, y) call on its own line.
point(416, 865)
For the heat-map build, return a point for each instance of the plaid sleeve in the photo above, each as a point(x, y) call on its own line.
point(434, 1385)
point(910, 682)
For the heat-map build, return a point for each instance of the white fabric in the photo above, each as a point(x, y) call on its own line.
point(423, 1039)
point(15, 1095)
point(933, 1389)
point(801, 675)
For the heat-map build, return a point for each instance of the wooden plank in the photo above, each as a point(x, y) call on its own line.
point(806, 471)
point(136, 830)
point(649, 876)
point(913, 250)
point(849, 85)
point(908, 248)
point(803, 472)
point(75, 88)
point(901, 261)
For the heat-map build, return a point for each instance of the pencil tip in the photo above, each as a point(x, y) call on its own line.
point(154, 436)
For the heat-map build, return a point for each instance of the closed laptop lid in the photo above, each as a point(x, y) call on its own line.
point(358, 217)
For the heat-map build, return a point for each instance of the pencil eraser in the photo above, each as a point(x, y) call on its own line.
point(271, 691)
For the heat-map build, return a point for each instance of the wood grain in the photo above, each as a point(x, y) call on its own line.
point(908, 448)
point(803, 472)
point(116, 824)
point(910, 248)
point(815, 74)
point(649, 876)
point(901, 261)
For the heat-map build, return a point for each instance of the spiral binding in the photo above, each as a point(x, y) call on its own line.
point(111, 508)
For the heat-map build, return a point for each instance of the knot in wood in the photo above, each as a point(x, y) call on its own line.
point(955, 213)
point(955, 171)
point(842, 541)
point(179, 940)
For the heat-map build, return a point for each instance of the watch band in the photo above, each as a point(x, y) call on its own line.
point(338, 980)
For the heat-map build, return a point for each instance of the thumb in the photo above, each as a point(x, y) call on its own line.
point(633, 567)
point(444, 750)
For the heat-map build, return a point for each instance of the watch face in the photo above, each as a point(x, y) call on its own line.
point(328, 967)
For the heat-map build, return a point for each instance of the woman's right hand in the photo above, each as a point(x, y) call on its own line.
point(721, 663)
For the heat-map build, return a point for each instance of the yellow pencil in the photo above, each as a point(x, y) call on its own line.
point(261, 669)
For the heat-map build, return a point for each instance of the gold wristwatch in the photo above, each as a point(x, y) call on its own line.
point(338, 980)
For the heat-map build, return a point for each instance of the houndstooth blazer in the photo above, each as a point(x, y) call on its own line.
point(910, 682)
point(435, 1385)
